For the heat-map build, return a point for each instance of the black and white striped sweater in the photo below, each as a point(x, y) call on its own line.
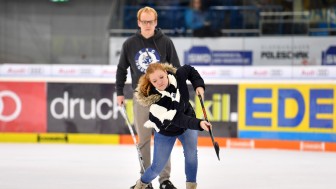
point(170, 112)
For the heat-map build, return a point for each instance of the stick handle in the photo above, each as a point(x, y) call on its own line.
point(206, 117)
point(124, 114)
point(203, 108)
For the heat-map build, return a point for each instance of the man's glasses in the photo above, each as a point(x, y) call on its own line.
point(145, 22)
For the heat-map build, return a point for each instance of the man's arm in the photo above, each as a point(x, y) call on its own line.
point(172, 56)
point(121, 76)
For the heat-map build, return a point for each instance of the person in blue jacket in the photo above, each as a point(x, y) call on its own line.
point(197, 19)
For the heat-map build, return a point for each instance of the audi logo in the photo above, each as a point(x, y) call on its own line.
point(18, 106)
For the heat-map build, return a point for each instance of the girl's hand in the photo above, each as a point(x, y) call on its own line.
point(205, 125)
point(200, 91)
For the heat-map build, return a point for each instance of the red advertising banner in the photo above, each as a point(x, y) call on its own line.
point(23, 107)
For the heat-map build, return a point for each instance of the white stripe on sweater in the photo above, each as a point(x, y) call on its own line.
point(150, 124)
point(161, 112)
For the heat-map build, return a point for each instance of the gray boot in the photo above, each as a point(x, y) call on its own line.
point(191, 185)
point(140, 185)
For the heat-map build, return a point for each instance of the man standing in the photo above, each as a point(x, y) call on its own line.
point(148, 45)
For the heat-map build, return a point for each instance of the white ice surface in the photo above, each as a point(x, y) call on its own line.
point(68, 166)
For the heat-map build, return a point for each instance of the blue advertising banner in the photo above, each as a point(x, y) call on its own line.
point(329, 56)
point(202, 55)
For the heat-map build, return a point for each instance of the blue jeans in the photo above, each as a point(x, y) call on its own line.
point(163, 146)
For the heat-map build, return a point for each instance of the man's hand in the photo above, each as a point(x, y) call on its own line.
point(120, 100)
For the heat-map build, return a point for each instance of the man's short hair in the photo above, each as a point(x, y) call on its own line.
point(147, 9)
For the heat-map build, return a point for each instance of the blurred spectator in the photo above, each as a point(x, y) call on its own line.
point(197, 19)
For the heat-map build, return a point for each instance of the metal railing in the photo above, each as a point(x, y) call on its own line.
point(284, 23)
point(232, 21)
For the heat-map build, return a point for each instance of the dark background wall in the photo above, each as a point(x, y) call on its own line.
point(77, 31)
point(40, 31)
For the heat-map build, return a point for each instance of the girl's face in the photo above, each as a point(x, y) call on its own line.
point(159, 79)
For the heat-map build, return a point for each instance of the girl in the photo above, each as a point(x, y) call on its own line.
point(165, 90)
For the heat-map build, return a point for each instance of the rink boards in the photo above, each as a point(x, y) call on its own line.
point(300, 114)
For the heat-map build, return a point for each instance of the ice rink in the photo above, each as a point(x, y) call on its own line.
point(71, 166)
